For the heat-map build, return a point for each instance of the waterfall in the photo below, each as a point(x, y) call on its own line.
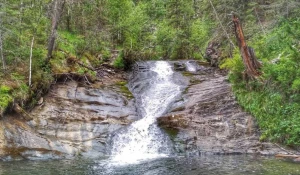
point(143, 139)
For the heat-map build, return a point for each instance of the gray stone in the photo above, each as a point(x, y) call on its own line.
point(71, 121)
point(210, 121)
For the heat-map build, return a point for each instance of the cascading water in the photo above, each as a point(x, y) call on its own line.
point(190, 66)
point(143, 139)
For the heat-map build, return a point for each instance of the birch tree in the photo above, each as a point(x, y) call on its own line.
point(1, 38)
point(1, 47)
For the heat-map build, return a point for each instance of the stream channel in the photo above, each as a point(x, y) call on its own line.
point(143, 148)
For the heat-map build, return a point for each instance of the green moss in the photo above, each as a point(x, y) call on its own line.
point(121, 83)
point(187, 74)
point(59, 63)
point(124, 89)
point(186, 90)
point(172, 132)
point(194, 81)
point(90, 59)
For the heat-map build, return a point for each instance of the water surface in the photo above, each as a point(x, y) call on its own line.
point(205, 165)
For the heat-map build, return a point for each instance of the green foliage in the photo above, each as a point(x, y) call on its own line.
point(200, 35)
point(235, 65)
point(119, 61)
point(94, 31)
point(70, 43)
point(274, 99)
point(5, 97)
point(165, 39)
point(277, 117)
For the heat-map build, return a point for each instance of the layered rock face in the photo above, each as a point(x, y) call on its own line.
point(77, 120)
point(71, 121)
point(208, 120)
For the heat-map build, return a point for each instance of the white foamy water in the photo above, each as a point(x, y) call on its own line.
point(190, 67)
point(143, 139)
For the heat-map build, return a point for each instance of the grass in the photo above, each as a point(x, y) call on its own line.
point(273, 98)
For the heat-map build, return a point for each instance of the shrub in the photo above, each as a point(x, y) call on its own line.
point(273, 98)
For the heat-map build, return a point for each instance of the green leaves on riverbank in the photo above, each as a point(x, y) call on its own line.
point(274, 98)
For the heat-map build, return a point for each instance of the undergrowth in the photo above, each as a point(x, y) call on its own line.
point(274, 98)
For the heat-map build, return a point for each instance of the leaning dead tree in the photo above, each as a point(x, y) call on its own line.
point(250, 61)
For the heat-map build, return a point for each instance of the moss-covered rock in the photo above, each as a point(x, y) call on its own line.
point(122, 85)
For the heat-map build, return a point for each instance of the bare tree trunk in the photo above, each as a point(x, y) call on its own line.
point(1, 41)
point(30, 61)
point(251, 64)
point(57, 10)
point(1, 52)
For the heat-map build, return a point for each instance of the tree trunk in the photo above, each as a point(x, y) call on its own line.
point(57, 10)
point(1, 51)
point(251, 64)
point(30, 61)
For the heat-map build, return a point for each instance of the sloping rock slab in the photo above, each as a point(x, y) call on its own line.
point(208, 120)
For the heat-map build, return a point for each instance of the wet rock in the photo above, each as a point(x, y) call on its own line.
point(179, 66)
point(210, 121)
point(71, 121)
point(173, 121)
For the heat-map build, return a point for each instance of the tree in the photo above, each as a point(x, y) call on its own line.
point(1, 47)
point(249, 59)
point(56, 13)
point(1, 37)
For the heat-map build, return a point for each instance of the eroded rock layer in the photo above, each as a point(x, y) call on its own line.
point(71, 120)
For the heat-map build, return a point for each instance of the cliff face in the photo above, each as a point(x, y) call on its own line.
point(208, 120)
point(77, 120)
point(72, 120)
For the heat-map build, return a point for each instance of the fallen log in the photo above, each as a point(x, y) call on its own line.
point(19, 110)
point(295, 158)
point(287, 156)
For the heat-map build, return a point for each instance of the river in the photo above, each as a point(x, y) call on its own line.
point(204, 165)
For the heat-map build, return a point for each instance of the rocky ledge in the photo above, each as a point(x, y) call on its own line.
point(75, 119)
point(208, 120)
point(71, 120)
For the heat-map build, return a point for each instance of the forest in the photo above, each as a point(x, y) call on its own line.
point(44, 40)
